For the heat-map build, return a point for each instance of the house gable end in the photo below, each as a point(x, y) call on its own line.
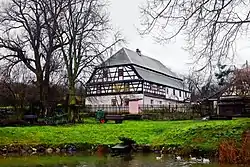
point(112, 80)
point(119, 58)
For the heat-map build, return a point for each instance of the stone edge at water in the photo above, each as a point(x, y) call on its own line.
point(29, 149)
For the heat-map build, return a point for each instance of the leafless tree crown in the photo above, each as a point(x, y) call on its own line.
point(209, 26)
point(54, 39)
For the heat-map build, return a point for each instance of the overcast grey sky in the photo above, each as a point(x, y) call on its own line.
point(125, 15)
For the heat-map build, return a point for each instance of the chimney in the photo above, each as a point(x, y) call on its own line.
point(138, 52)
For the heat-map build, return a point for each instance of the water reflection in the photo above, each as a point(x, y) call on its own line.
point(83, 160)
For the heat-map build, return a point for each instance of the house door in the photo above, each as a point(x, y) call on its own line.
point(134, 107)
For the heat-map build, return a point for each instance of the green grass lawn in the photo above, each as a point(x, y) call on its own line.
point(202, 134)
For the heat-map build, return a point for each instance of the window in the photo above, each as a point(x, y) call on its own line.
point(113, 102)
point(160, 102)
point(126, 102)
point(126, 87)
point(167, 90)
point(105, 73)
point(173, 91)
point(180, 93)
point(185, 94)
point(158, 88)
point(150, 87)
point(152, 102)
point(120, 72)
point(98, 89)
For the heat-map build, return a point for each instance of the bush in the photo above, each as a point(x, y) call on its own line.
point(165, 114)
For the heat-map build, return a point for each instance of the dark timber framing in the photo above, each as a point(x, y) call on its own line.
point(123, 79)
point(155, 90)
point(127, 72)
point(114, 80)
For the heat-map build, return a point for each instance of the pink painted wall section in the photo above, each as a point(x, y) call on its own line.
point(134, 107)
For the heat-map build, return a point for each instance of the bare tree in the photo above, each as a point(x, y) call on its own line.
point(15, 88)
point(240, 83)
point(28, 36)
point(211, 27)
point(200, 86)
point(83, 32)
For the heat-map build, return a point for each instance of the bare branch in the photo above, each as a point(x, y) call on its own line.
point(211, 27)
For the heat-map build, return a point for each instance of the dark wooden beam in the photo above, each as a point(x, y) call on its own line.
point(167, 86)
point(114, 93)
point(100, 67)
point(155, 95)
point(92, 75)
point(164, 98)
point(114, 82)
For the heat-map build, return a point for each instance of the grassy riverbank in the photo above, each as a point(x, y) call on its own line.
point(205, 135)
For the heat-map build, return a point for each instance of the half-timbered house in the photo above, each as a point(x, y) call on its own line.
point(130, 76)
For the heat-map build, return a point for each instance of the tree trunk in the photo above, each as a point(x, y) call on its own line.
point(43, 86)
point(40, 88)
point(71, 102)
point(46, 92)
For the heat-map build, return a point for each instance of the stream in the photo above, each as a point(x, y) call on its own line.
point(86, 160)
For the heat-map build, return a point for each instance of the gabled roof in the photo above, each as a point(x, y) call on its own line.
point(148, 68)
point(218, 93)
point(160, 78)
point(127, 56)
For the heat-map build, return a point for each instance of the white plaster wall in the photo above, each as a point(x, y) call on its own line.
point(107, 100)
point(156, 101)
point(170, 95)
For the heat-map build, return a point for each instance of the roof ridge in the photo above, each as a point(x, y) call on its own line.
point(168, 68)
point(144, 55)
point(127, 54)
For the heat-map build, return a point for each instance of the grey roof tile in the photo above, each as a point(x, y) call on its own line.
point(118, 58)
point(160, 78)
point(127, 56)
point(148, 62)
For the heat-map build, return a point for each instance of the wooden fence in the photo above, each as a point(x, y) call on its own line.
point(172, 112)
point(108, 109)
point(152, 112)
point(183, 108)
point(165, 108)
